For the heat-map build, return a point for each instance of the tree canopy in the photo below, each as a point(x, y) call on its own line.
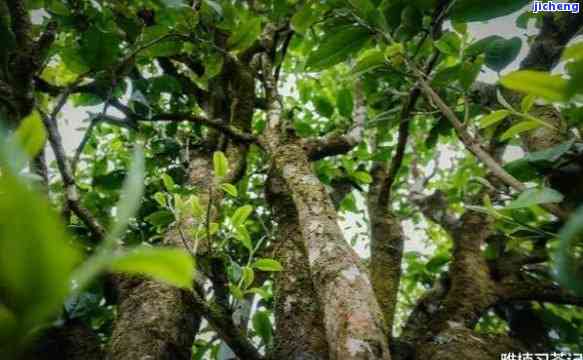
point(289, 179)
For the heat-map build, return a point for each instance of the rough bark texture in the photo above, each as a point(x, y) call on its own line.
point(353, 319)
point(72, 341)
point(154, 321)
point(300, 332)
point(386, 250)
point(462, 343)
point(352, 316)
point(471, 290)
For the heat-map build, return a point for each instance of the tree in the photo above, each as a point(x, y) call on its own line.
point(227, 141)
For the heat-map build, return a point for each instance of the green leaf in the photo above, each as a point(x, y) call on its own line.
point(521, 169)
point(344, 103)
point(31, 135)
point(542, 84)
point(369, 61)
point(573, 52)
point(519, 128)
point(366, 10)
point(220, 164)
point(536, 196)
point(160, 218)
point(241, 214)
point(174, 4)
point(481, 45)
point(469, 73)
point(527, 103)
point(247, 277)
point(337, 47)
point(394, 49)
point(268, 265)
point(245, 34)
point(131, 195)
point(493, 118)
point(362, 177)
point(163, 46)
point(230, 189)
point(411, 21)
point(449, 44)
point(323, 106)
point(471, 10)
point(168, 182)
point(501, 52)
point(569, 267)
point(160, 198)
point(303, 19)
point(242, 235)
point(197, 209)
point(550, 155)
point(57, 7)
point(173, 266)
point(262, 326)
point(437, 262)
point(99, 49)
point(36, 259)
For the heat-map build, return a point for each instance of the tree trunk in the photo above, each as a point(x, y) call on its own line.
point(300, 332)
point(72, 341)
point(155, 320)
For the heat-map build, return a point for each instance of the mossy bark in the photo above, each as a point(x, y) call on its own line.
point(300, 332)
point(471, 289)
point(462, 343)
point(74, 340)
point(156, 320)
point(352, 316)
point(386, 251)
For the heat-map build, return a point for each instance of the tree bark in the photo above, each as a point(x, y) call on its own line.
point(155, 320)
point(300, 332)
point(386, 250)
point(72, 341)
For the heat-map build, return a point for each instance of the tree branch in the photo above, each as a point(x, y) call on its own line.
point(474, 145)
point(223, 323)
point(404, 125)
point(21, 25)
point(527, 288)
point(335, 144)
point(70, 188)
point(218, 124)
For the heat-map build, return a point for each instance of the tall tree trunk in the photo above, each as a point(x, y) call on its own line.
point(352, 317)
point(156, 320)
point(300, 332)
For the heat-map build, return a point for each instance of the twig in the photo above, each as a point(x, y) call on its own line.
point(81, 146)
point(474, 145)
point(70, 188)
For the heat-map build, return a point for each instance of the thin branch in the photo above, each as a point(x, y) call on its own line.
point(229, 332)
point(403, 137)
point(218, 124)
point(475, 147)
point(284, 48)
point(81, 146)
point(71, 193)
